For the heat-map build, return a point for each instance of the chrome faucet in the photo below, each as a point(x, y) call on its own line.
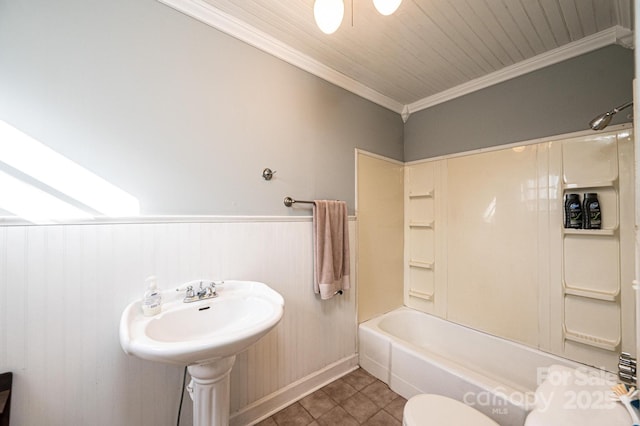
point(207, 290)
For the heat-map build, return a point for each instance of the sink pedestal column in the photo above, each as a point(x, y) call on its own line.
point(211, 392)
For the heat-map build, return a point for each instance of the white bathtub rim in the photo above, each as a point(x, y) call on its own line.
point(376, 321)
point(483, 381)
point(397, 311)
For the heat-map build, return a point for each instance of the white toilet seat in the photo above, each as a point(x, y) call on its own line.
point(429, 409)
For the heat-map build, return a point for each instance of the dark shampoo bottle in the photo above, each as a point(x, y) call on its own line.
point(572, 211)
point(592, 213)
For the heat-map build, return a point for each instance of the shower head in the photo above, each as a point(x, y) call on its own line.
point(603, 120)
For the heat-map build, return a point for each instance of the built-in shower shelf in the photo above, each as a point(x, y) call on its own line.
point(428, 194)
point(592, 294)
point(426, 225)
point(421, 265)
point(597, 232)
point(594, 263)
point(586, 339)
point(597, 184)
point(420, 294)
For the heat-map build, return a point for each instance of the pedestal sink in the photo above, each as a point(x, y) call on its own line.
point(205, 335)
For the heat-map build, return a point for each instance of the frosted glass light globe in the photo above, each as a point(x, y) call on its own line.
point(386, 7)
point(328, 14)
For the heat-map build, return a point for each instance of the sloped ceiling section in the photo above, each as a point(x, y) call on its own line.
point(429, 51)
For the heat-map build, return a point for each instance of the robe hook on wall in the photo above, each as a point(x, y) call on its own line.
point(267, 173)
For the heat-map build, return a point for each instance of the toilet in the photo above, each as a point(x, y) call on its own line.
point(577, 397)
point(430, 409)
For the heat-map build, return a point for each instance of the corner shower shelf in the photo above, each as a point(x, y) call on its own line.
point(428, 225)
point(598, 232)
point(597, 184)
point(586, 339)
point(428, 194)
point(585, 293)
point(592, 294)
point(421, 294)
point(419, 264)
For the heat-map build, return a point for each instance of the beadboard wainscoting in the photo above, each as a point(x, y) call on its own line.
point(63, 289)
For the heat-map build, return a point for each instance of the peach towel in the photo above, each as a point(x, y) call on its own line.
point(331, 247)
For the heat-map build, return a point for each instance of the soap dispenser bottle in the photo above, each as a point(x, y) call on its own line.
point(152, 301)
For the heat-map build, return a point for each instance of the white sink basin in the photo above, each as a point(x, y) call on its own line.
point(202, 331)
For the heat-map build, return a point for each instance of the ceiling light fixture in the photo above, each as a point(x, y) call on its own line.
point(329, 13)
point(386, 7)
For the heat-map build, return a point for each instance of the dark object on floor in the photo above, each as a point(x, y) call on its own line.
point(5, 398)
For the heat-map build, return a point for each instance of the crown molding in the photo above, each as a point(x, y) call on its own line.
point(206, 13)
point(613, 35)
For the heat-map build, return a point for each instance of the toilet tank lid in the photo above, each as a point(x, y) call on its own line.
point(437, 409)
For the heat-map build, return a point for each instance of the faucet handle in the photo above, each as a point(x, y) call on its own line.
point(190, 292)
point(211, 289)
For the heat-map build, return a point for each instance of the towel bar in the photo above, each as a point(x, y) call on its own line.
point(288, 201)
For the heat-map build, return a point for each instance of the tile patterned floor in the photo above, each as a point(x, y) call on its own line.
point(355, 399)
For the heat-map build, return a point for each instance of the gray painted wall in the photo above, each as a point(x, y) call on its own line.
point(558, 99)
point(179, 114)
point(185, 118)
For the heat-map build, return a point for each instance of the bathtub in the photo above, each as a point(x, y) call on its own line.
point(415, 353)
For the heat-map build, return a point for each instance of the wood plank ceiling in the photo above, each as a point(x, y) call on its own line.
point(430, 46)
